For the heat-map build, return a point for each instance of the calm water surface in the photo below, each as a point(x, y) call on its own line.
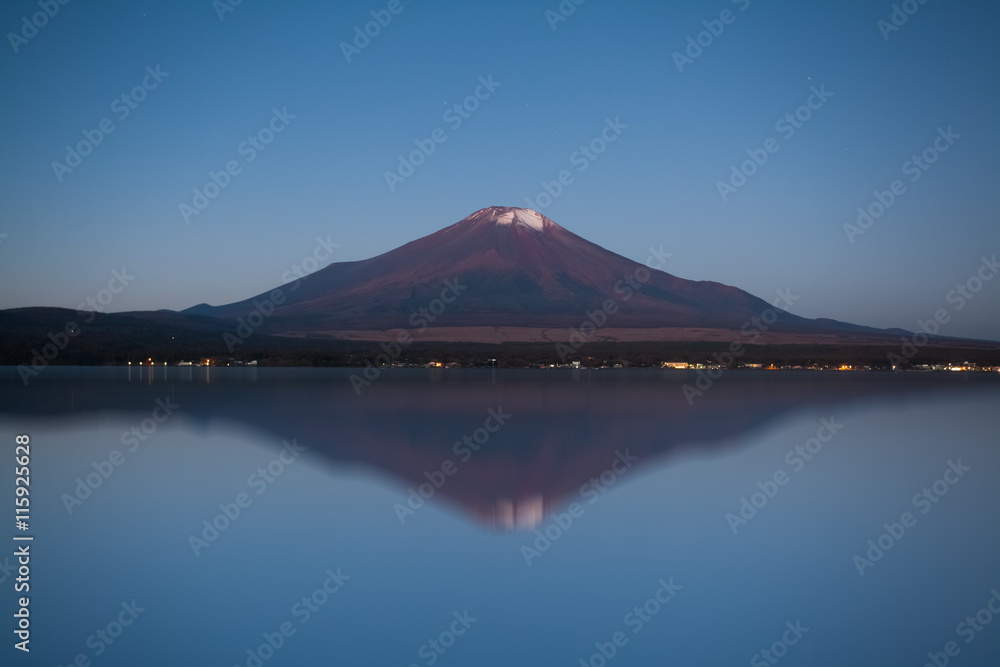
point(477, 518)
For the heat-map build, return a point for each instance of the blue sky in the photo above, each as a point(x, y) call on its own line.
point(323, 175)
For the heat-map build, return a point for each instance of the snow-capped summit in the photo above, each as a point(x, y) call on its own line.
point(523, 216)
point(512, 216)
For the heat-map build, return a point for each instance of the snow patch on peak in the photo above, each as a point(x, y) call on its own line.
point(522, 216)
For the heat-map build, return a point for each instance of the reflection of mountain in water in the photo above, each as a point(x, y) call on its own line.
point(563, 430)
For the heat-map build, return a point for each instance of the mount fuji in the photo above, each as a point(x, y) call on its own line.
point(512, 274)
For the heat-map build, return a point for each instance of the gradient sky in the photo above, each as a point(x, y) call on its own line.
point(656, 185)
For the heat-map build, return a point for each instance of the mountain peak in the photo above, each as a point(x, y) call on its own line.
point(523, 216)
point(509, 215)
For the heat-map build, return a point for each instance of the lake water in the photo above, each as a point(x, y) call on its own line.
point(484, 518)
